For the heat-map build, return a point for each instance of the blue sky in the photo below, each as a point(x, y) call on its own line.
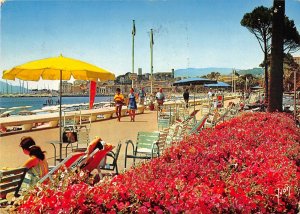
point(187, 33)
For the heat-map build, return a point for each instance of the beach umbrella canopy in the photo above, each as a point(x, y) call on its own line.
point(58, 68)
point(194, 81)
point(217, 85)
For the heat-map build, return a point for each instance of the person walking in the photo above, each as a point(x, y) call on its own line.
point(186, 97)
point(131, 105)
point(142, 95)
point(119, 100)
point(160, 97)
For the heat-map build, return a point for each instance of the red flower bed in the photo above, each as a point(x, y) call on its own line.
point(246, 165)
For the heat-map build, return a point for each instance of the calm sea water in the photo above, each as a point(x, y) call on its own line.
point(37, 102)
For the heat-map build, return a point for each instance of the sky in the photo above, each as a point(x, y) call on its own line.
point(187, 33)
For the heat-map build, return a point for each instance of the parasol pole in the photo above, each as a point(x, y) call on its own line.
point(60, 115)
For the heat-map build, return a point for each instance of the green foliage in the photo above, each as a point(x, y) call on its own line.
point(291, 37)
point(259, 23)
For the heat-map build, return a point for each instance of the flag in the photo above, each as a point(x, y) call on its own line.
point(92, 93)
point(151, 38)
point(133, 28)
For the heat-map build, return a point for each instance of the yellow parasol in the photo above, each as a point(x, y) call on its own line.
point(58, 68)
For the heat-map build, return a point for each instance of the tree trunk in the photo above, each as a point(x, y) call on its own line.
point(276, 73)
point(266, 73)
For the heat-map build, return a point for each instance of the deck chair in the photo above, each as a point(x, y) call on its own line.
point(183, 113)
point(173, 133)
point(182, 131)
point(10, 181)
point(112, 155)
point(163, 123)
point(206, 108)
point(199, 125)
point(146, 146)
point(70, 162)
point(191, 116)
point(85, 118)
point(69, 119)
point(83, 139)
point(223, 115)
point(93, 162)
point(168, 113)
point(162, 141)
point(212, 119)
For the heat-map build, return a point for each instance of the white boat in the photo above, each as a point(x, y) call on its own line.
point(6, 113)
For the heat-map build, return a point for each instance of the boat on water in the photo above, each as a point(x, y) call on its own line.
point(50, 102)
point(26, 112)
point(6, 113)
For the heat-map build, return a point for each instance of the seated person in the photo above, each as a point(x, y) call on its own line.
point(97, 143)
point(37, 164)
point(98, 160)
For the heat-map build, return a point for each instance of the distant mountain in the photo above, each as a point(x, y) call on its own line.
point(253, 71)
point(198, 72)
point(11, 89)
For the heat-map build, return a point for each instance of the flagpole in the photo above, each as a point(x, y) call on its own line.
point(133, 34)
point(232, 82)
point(151, 59)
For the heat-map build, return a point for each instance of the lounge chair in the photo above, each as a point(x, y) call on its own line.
point(83, 138)
point(199, 125)
point(94, 160)
point(146, 146)
point(11, 181)
point(163, 123)
point(212, 119)
point(112, 155)
point(69, 162)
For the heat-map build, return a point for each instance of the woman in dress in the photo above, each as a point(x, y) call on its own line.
point(131, 105)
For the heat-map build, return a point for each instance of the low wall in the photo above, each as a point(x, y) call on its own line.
point(51, 120)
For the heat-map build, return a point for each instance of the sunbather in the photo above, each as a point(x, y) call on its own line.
point(98, 160)
point(37, 163)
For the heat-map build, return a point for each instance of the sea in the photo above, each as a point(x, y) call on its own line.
point(39, 102)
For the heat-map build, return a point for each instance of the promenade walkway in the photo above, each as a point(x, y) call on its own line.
point(111, 131)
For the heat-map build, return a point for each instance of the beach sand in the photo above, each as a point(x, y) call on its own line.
point(111, 131)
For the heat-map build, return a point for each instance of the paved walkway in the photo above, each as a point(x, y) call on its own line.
point(111, 131)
